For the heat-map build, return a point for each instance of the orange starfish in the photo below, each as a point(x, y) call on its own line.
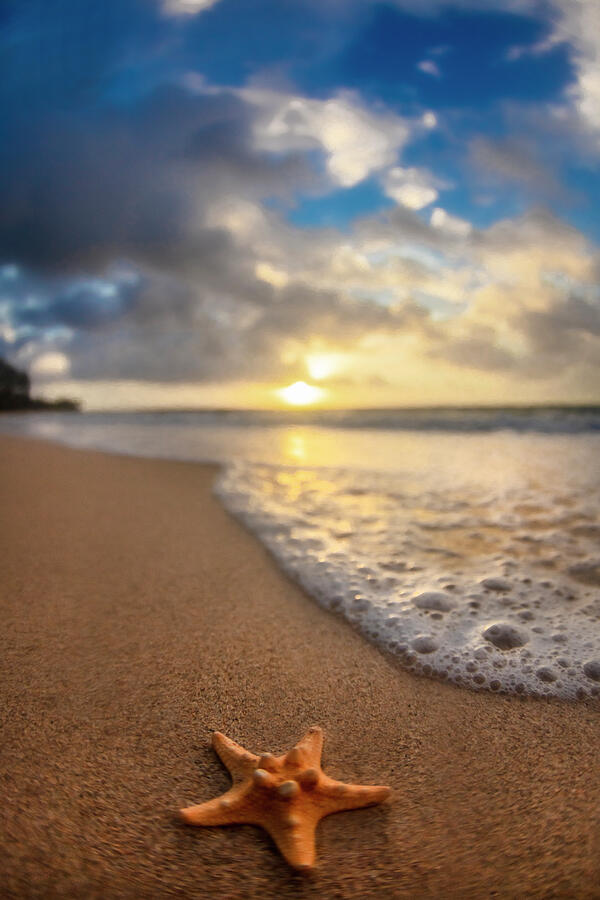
point(286, 795)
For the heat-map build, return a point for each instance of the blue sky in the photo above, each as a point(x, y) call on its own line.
point(201, 196)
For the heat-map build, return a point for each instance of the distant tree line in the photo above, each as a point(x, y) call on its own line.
point(15, 388)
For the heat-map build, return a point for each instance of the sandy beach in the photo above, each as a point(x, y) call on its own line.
point(138, 616)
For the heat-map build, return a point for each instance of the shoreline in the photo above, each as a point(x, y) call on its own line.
point(139, 616)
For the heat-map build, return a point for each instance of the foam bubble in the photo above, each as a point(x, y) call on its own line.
point(592, 670)
point(545, 673)
point(496, 584)
point(424, 643)
point(505, 636)
point(452, 576)
point(434, 600)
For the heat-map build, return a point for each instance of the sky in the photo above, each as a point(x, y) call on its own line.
point(206, 201)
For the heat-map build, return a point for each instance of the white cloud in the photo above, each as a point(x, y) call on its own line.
point(186, 7)
point(356, 141)
point(576, 23)
point(266, 272)
point(7, 333)
point(450, 224)
point(50, 365)
point(412, 187)
point(429, 67)
point(517, 51)
point(241, 217)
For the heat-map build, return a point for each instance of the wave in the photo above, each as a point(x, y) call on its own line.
point(537, 419)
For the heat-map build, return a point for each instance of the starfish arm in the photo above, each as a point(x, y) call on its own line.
point(228, 809)
point(238, 761)
point(337, 796)
point(296, 843)
point(285, 795)
point(308, 749)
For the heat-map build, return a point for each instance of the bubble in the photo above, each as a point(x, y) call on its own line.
point(496, 584)
point(586, 572)
point(424, 643)
point(360, 603)
point(592, 669)
point(505, 636)
point(526, 615)
point(546, 674)
point(434, 600)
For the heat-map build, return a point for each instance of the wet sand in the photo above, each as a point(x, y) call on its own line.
point(137, 617)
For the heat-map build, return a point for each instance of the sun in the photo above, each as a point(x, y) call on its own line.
point(301, 394)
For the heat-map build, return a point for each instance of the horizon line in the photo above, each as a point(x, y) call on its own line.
point(478, 407)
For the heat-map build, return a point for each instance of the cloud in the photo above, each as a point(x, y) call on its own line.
point(357, 141)
point(133, 180)
point(266, 272)
point(396, 298)
point(510, 158)
point(515, 160)
point(429, 67)
point(539, 48)
point(147, 242)
point(451, 224)
point(411, 187)
point(577, 22)
point(50, 365)
point(186, 7)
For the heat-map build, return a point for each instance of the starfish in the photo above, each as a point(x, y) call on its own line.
point(286, 795)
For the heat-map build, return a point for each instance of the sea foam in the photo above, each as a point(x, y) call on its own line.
point(494, 586)
point(472, 551)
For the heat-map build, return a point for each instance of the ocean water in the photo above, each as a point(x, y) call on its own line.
point(464, 542)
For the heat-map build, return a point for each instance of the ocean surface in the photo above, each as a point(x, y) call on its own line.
point(464, 542)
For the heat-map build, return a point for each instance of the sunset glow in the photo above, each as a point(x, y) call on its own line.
point(322, 365)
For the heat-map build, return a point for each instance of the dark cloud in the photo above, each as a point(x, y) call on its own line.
point(191, 337)
point(131, 181)
point(538, 228)
point(514, 160)
point(154, 326)
point(565, 333)
point(479, 350)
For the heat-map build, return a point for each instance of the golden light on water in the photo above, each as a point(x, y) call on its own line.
point(301, 394)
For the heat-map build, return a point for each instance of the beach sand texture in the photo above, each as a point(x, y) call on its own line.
point(137, 617)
